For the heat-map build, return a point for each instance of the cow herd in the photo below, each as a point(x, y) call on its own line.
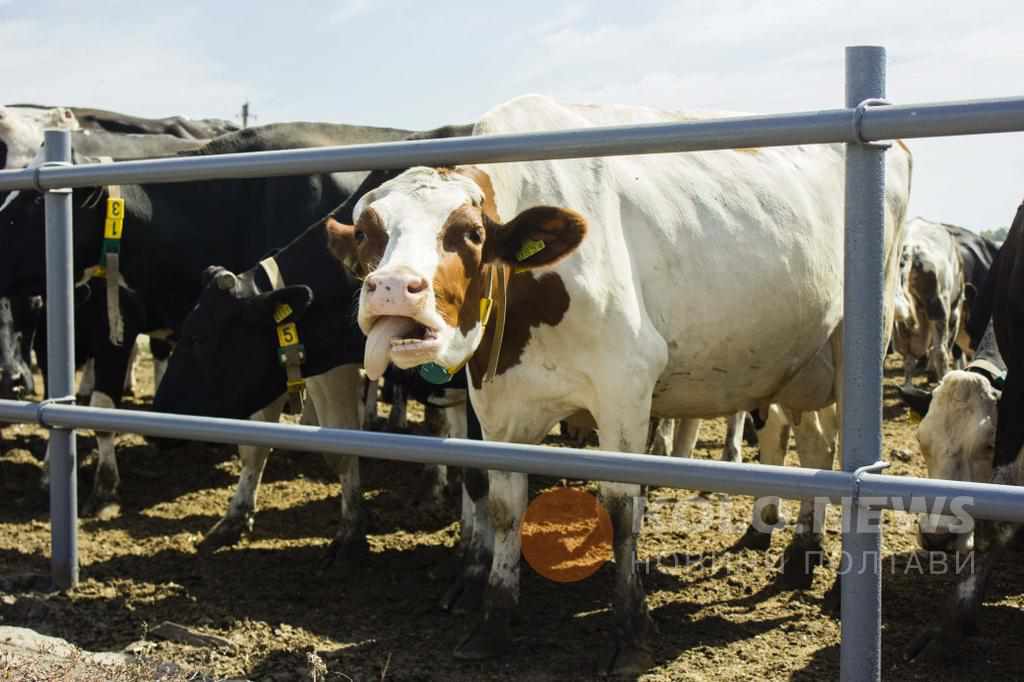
point(631, 296)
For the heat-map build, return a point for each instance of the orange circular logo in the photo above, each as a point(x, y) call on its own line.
point(566, 535)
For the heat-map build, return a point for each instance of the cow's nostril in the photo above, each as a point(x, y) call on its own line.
point(417, 286)
point(371, 286)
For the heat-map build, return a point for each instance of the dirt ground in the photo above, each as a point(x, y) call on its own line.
point(720, 614)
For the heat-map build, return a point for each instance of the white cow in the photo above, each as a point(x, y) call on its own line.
point(21, 130)
point(674, 285)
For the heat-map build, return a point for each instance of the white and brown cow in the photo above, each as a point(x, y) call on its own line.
point(929, 299)
point(627, 301)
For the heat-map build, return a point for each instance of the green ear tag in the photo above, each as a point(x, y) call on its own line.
point(434, 373)
point(528, 248)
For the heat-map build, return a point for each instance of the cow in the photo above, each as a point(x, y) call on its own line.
point(957, 433)
point(117, 122)
point(624, 300)
point(1001, 302)
point(228, 338)
point(976, 256)
point(172, 233)
point(19, 317)
point(21, 132)
point(929, 300)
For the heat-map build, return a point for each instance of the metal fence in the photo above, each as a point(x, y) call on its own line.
point(859, 124)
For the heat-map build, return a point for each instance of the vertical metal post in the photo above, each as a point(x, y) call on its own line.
point(860, 654)
point(60, 376)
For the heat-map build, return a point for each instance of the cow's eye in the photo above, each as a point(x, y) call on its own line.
point(360, 236)
point(475, 236)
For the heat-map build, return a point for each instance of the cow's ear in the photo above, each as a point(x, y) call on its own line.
point(342, 243)
point(538, 236)
point(284, 305)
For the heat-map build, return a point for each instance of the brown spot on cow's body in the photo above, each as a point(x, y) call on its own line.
point(532, 301)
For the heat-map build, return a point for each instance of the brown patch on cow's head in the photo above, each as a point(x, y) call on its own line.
point(357, 247)
point(473, 236)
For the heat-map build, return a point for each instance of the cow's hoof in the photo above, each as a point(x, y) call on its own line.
point(630, 659)
point(227, 532)
point(798, 564)
point(490, 637)
point(466, 595)
point(754, 539)
point(103, 507)
point(348, 545)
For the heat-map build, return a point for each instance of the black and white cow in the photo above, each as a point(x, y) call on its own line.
point(929, 298)
point(172, 233)
point(19, 317)
point(226, 364)
point(118, 122)
point(1002, 301)
point(976, 256)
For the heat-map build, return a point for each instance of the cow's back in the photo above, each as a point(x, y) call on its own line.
point(730, 261)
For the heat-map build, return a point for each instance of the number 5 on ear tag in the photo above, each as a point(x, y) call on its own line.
point(287, 335)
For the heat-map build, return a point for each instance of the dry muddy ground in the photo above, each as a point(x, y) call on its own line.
point(720, 617)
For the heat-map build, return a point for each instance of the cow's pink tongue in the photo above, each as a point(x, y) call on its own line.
point(378, 343)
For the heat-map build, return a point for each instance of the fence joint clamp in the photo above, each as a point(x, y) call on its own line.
point(858, 122)
point(858, 477)
point(40, 418)
point(37, 181)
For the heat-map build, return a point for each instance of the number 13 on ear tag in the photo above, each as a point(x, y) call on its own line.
point(114, 225)
point(287, 335)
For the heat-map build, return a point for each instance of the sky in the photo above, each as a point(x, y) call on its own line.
point(416, 65)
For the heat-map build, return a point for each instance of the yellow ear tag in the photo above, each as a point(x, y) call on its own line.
point(287, 335)
point(485, 310)
point(282, 312)
point(528, 248)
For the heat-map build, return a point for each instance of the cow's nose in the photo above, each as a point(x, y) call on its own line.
point(400, 287)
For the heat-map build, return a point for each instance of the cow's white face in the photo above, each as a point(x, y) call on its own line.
point(423, 240)
point(957, 438)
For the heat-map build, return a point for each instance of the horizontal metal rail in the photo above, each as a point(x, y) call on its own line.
point(811, 127)
point(880, 492)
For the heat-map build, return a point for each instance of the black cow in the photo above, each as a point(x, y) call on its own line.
point(226, 362)
point(1002, 301)
point(116, 122)
point(19, 317)
point(976, 256)
point(172, 233)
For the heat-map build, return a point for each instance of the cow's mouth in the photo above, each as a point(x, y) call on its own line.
point(403, 340)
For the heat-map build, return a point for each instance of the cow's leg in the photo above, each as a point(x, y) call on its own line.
point(336, 396)
point(686, 437)
point(130, 381)
point(476, 547)
point(398, 420)
point(371, 395)
point(944, 639)
point(772, 443)
point(662, 436)
point(909, 365)
point(506, 505)
point(733, 450)
point(161, 351)
point(241, 513)
point(88, 382)
point(939, 360)
point(103, 503)
point(624, 427)
point(815, 444)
